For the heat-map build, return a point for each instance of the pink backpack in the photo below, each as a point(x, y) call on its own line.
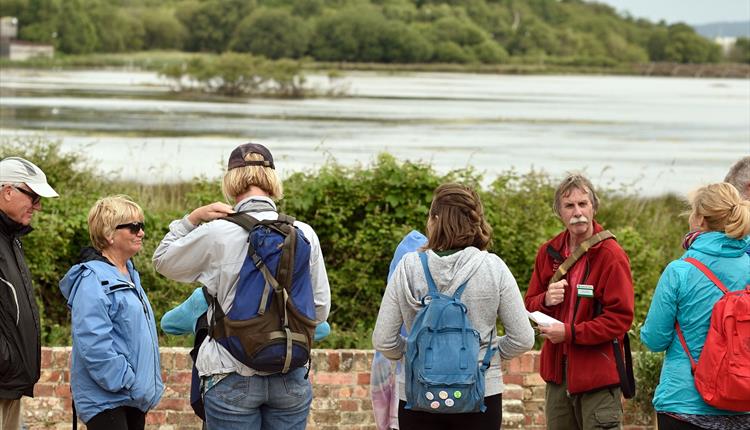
point(722, 373)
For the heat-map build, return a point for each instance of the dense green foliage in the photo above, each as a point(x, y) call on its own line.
point(740, 53)
point(389, 31)
point(359, 213)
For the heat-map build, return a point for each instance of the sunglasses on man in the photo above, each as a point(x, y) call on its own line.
point(134, 227)
point(35, 198)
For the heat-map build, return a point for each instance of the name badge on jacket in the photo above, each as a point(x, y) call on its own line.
point(585, 290)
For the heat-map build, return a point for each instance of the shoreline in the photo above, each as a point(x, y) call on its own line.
point(155, 60)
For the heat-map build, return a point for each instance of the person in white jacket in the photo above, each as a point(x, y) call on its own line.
point(200, 249)
point(458, 236)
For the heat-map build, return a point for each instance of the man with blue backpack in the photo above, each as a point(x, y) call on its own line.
point(266, 286)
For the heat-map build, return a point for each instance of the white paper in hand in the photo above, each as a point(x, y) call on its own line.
point(542, 319)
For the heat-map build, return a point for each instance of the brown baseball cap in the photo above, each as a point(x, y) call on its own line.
point(237, 158)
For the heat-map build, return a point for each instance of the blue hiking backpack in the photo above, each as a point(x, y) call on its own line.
point(442, 374)
point(271, 323)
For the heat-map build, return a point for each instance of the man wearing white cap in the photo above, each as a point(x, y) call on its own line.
point(22, 186)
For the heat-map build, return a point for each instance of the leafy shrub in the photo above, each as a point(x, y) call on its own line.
point(235, 74)
point(162, 29)
point(451, 52)
point(116, 30)
point(211, 23)
point(740, 52)
point(349, 35)
point(272, 33)
point(489, 52)
point(647, 370)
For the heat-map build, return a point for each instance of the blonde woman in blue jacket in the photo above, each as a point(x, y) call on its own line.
point(115, 372)
point(720, 224)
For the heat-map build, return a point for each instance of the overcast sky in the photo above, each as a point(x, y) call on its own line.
point(688, 11)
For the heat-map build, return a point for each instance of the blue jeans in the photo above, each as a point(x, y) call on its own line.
point(259, 402)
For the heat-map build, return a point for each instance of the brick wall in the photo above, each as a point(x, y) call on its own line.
point(341, 393)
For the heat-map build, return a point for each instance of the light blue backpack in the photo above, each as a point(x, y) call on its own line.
point(442, 373)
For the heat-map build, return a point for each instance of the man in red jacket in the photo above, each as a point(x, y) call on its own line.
point(594, 302)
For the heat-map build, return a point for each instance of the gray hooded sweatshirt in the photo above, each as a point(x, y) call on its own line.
point(491, 294)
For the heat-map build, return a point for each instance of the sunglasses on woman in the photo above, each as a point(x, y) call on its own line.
point(35, 198)
point(134, 227)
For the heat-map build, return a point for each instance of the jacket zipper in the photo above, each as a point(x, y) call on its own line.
point(137, 293)
point(15, 299)
point(157, 370)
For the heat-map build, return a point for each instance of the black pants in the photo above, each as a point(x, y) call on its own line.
point(487, 420)
point(667, 422)
point(122, 418)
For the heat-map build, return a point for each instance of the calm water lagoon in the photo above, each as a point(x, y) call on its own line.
point(655, 135)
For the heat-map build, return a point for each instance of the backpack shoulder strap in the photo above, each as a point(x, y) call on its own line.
point(578, 253)
point(242, 219)
point(430, 282)
point(709, 274)
point(720, 285)
point(287, 219)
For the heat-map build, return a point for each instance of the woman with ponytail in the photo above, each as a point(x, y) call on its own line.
point(720, 225)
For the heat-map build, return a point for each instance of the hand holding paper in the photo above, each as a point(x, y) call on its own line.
point(542, 319)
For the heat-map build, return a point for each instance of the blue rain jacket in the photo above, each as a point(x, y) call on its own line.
point(684, 294)
point(115, 358)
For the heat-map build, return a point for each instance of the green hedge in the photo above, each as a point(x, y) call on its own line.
point(359, 213)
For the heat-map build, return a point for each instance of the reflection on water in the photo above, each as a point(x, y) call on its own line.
point(662, 134)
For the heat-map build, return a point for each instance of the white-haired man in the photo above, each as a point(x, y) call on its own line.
point(22, 186)
point(584, 281)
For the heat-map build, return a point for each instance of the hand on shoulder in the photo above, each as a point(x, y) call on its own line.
point(209, 212)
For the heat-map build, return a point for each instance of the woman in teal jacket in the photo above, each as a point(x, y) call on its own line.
point(115, 374)
point(720, 221)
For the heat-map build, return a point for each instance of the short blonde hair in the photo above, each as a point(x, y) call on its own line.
point(106, 214)
point(239, 180)
point(723, 209)
point(575, 180)
point(457, 219)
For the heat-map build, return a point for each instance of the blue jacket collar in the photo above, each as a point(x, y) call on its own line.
point(719, 244)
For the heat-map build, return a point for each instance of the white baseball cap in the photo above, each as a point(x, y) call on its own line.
point(17, 170)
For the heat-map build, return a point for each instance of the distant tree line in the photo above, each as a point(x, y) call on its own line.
point(385, 31)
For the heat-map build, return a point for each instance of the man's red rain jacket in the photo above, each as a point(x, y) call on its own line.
point(597, 321)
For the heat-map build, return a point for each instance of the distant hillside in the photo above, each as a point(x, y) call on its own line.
point(724, 29)
point(558, 32)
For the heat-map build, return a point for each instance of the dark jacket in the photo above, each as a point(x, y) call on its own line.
point(20, 342)
point(596, 321)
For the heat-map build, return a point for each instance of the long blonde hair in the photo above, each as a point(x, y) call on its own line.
point(722, 208)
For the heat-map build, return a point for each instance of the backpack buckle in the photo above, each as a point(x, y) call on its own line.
point(257, 261)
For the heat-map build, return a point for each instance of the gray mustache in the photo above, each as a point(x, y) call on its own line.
point(578, 220)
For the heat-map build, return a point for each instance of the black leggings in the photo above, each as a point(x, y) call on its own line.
point(667, 422)
point(487, 420)
point(122, 418)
